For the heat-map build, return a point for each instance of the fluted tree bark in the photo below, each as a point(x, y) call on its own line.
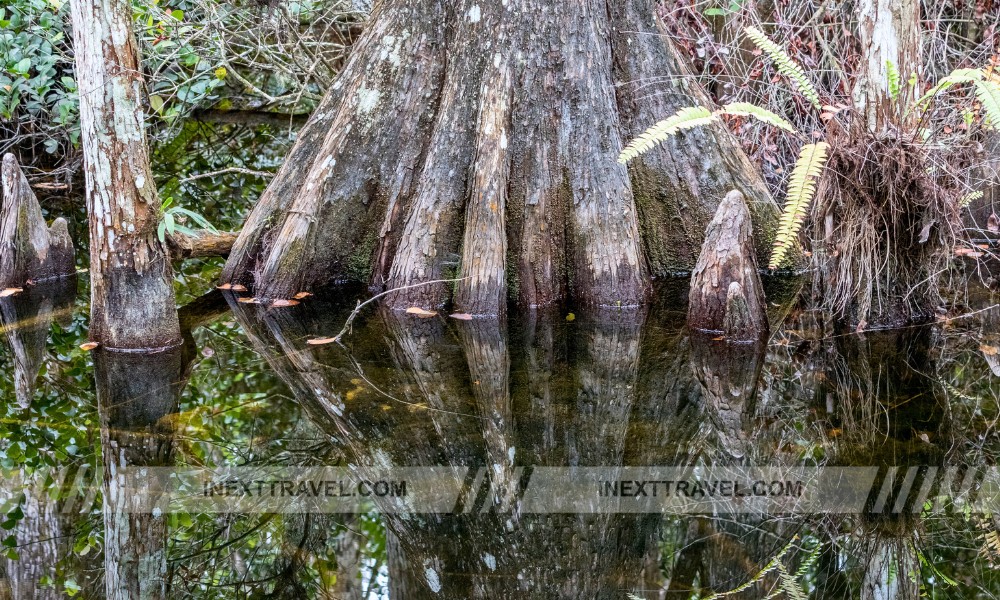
point(478, 140)
point(131, 280)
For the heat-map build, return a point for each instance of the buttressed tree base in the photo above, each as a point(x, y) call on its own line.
point(478, 141)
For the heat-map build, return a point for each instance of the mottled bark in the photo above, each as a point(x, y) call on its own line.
point(132, 296)
point(726, 293)
point(679, 184)
point(479, 140)
point(889, 32)
point(30, 251)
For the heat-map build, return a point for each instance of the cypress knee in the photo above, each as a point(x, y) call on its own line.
point(726, 293)
point(30, 251)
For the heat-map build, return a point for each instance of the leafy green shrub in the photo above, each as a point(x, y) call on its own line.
point(38, 94)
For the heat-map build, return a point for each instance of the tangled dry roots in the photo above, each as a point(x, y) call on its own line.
point(885, 224)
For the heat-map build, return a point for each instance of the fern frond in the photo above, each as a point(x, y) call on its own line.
point(801, 189)
point(785, 64)
point(789, 585)
point(893, 75)
point(685, 118)
point(991, 544)
point(968, 198)
point(956, 77)
point(988, 94)
point(745, 109)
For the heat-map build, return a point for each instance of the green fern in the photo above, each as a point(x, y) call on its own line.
point(801, 189)
point(956, 77)
point(968, 198)
point(745, 109)
point(685, 118)
point(696, 116)
point(893, 75)
point(785, 64)
point(988, 94)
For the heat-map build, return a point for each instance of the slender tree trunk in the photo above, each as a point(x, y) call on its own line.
point(889, 32)
point(132, 297)
point(480, 140)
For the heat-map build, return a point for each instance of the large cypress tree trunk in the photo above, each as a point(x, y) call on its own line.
point(478, 139)
point(131, 280)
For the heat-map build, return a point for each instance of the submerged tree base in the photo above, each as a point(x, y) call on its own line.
point(884, 230)
point(478, 141)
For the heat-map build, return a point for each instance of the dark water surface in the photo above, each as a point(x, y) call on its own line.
point(528, 415)
point(506, 399)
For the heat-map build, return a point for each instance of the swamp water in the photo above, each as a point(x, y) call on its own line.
point(520, 443)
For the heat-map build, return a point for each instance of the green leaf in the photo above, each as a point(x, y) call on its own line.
point(715, 12)
point(892, 74)
point(956, 77)
point(168, 220)
point(199, 219)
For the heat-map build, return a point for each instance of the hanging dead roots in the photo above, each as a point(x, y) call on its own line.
point(884, 229)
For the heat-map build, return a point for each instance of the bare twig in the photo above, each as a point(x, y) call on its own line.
point(357, 309)
point(228, 170)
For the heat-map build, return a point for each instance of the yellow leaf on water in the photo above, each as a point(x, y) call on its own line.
point(89, 346)
point(570, 317)
point(10, 292)
point(419, 312)
point(321, 341)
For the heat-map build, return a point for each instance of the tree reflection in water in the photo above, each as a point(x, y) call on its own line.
point(610, 388)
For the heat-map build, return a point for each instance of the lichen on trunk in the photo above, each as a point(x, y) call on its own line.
point(479, 140)
point(132, 296)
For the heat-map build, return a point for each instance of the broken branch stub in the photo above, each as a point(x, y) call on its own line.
point(29, 249)
point(726, 293)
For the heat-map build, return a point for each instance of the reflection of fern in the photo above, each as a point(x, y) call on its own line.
point(801, 189)
point(788, 584)
point(785, 64)
point(696, 116)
